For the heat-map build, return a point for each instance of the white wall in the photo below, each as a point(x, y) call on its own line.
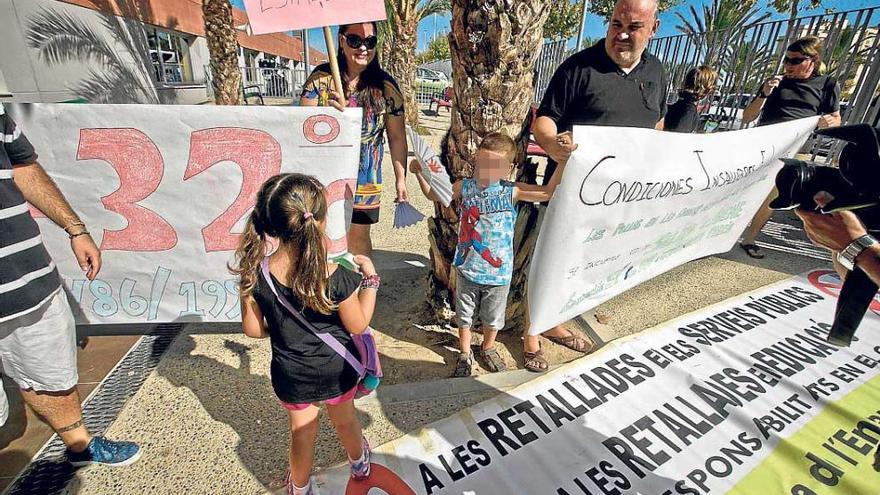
point(31, 78)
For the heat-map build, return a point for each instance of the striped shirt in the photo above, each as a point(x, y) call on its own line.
point(28, 277)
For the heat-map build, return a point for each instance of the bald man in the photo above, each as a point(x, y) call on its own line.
point(615, 83)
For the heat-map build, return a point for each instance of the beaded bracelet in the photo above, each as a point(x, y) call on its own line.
point(371, 282)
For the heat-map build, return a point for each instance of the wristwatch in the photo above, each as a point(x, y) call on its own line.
point(847, 257)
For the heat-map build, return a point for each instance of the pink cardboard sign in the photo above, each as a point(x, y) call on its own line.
point(274, 16)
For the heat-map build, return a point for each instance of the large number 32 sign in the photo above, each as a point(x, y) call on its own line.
point(140, 167)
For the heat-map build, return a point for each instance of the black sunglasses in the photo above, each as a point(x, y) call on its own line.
point(354, 41)
point(795, 60)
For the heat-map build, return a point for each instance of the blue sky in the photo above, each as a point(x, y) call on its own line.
point(595, 27)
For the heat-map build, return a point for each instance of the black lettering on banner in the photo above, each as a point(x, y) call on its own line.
point(453, 473)
point(429, 479)
point(643, 443)
point(627, 456)
point(495, 433)
point(480, 455)
point(515, 425)
point(553, 411)
point(526, 407)
point(655, 357)
point(576, 411)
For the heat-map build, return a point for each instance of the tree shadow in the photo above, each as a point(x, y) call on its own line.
point(119, 54)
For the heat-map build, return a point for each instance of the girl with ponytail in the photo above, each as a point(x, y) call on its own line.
point(282, 255)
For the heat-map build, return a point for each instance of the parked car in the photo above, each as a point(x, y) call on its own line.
point(727, 115)
point(428, 75)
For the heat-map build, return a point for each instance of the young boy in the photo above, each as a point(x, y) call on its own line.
point(484, 257)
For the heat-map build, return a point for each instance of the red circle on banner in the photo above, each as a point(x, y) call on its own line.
point(828, 282)
point(381, 478)
point(312, 135)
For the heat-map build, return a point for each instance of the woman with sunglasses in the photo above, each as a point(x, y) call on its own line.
point(802, 91)
point(365, 85)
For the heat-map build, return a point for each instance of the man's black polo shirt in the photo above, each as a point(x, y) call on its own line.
point(590, 89)
point(800, 98)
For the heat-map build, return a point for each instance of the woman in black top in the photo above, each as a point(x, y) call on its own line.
point(802, 91)
point(286, 229)
point(683, 116)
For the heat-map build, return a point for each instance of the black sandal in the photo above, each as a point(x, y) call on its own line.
point(491, 359)
point(752, 250)
point(463, 367)
point(535, 362)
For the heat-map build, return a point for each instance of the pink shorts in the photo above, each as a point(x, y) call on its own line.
point(339, 399)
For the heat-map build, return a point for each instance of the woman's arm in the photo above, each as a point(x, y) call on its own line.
point(252, 319)
point(395, 125)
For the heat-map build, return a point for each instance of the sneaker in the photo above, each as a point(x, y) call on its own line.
point(293, 489)
point(360, 469)
point(108, 452)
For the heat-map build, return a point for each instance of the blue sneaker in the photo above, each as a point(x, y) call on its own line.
point(108, 452)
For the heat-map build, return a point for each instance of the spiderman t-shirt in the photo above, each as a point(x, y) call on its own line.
point(485, 237)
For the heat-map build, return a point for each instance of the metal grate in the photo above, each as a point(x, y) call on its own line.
point(49, 472)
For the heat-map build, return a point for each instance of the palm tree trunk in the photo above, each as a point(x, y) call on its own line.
point(223, 48)
point(399, 55)
point(493, 45)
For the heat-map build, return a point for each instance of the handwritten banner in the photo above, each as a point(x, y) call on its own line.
point(745, 397)
point(634, 203)
point(275, 16)
point(165, 191)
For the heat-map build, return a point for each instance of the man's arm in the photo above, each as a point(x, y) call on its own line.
point(836, 232)
point(40, 190)
point(753, 110)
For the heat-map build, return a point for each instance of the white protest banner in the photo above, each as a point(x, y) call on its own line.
point(275, 16)
point(634, 203)
point(745, 397)
point(165, 191)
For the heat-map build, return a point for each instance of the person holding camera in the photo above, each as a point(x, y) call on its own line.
point(802, 91)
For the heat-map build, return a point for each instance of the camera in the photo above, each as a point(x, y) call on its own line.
point(855, 185)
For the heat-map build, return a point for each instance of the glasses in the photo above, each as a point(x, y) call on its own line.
point(795, 60)
point(354, 41)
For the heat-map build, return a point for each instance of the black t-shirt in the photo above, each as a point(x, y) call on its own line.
point(800, 98)
point(590, 89)
point(304, 368)
point(682, 115)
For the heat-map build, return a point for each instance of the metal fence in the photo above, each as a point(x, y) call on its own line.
point(746, 56)
point(552, 54)
point(276, 82)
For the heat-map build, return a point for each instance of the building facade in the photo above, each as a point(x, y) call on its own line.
point(132, 51)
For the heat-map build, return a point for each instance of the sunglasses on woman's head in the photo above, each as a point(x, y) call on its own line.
point(354, 41)
point(795, 60)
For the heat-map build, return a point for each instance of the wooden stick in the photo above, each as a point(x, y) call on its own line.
point(334, 63)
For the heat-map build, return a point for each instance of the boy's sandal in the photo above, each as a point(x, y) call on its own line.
point(752, 250)
point(573, 342)
point(534, 361)
point(462, 368)
point(492, 359)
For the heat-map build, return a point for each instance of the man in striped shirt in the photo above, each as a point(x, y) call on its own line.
point(37, 331)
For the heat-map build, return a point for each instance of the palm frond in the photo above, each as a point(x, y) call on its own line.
point(61, 38)
point(427, 8)
point(112, 87)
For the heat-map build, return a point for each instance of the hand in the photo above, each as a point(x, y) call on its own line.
point(87, 255)
point(336, 101)
point(564, 147)
point(835, 231)
point(770, 85)
point(402, 194)
point(828, 120)
point(365, 265)
point(415, 167)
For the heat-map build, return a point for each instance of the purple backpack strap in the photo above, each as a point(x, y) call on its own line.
point(328, 339)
